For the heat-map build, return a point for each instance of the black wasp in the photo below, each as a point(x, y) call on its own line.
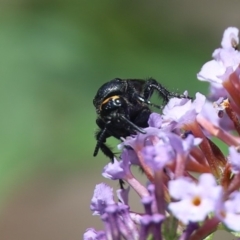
point(123, 108)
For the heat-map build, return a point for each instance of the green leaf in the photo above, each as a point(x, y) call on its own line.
point(170, 228)
point(210, 237)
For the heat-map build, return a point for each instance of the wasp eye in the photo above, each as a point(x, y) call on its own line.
point(111, 103)
point(118, 102)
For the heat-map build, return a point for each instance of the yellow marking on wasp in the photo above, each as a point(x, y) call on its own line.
point(108, 99)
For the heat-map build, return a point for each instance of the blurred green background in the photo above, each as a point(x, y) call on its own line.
point(54, 57)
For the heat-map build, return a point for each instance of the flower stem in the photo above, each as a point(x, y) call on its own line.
point(208, 227)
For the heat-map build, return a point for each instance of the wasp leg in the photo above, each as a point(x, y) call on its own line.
point(101, 137)
point(152, 84)
point(146, 101)
point(121, 183)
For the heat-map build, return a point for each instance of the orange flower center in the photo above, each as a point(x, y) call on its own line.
point(196, 201)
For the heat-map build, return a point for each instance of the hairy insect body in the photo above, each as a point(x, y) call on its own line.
point(115, 104)
point(123, 108)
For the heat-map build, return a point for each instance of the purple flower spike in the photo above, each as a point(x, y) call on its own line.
point(196, 200)
point(102, 197)
point(234, 159)
point(176, 203)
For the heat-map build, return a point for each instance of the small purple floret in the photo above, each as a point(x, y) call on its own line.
point(90, 234)
point(102, 197)
point(183, 111)
point(155, 120)
point(224, 57)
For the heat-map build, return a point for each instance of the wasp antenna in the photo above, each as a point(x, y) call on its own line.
point(135, 127)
